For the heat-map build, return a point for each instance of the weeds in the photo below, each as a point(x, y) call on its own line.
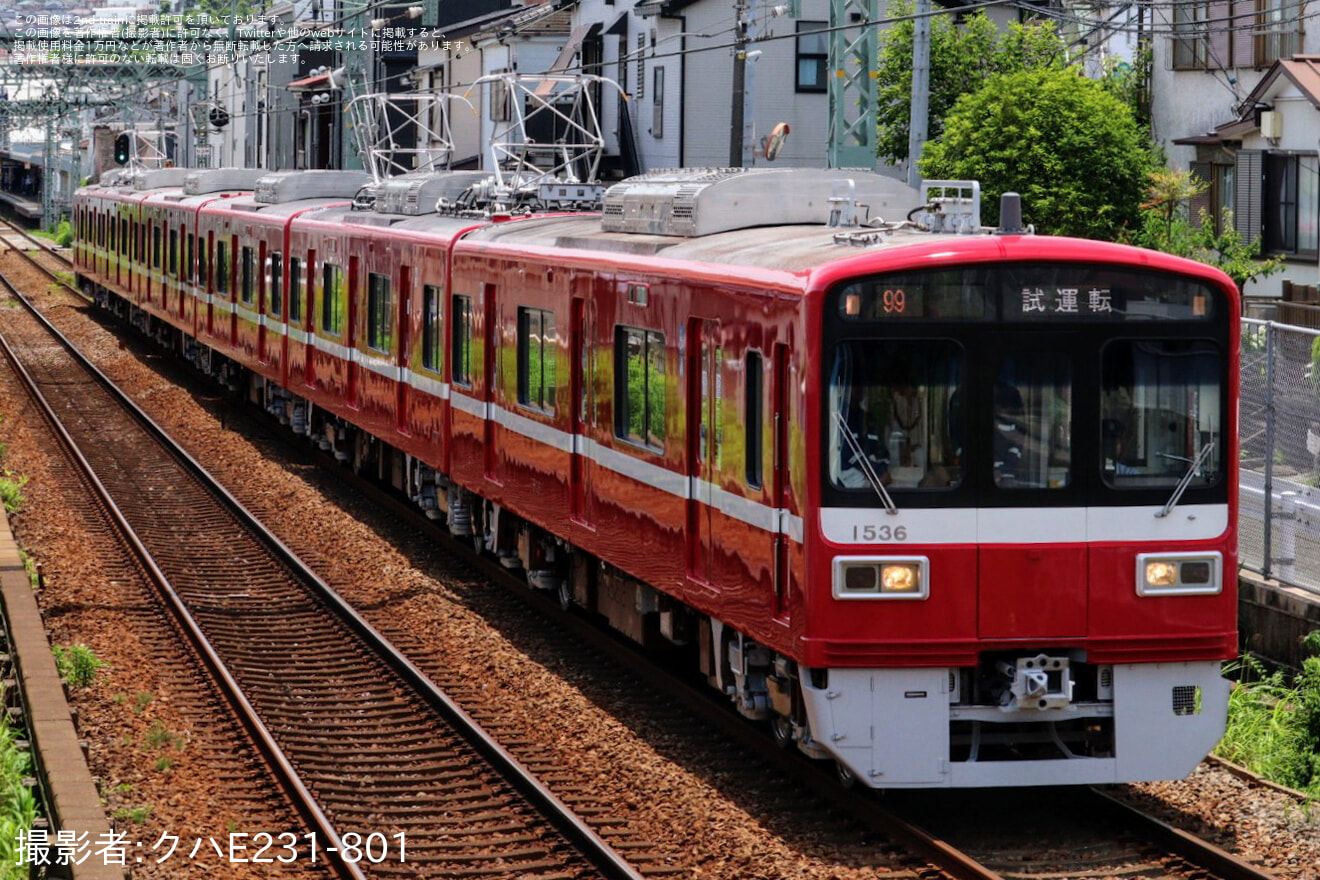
point(11, 491)
point(1274, 722)
point(161, 737)
point(141, 700)
point(77, 664)
point(136, 815)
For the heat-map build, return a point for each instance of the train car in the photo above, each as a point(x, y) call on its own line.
point(949, 508)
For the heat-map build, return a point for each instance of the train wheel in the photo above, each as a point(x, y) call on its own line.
point(782, 729)
point(564, 593)
point(847, 778)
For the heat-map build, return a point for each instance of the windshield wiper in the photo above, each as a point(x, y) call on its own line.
point(864, 464)
point(1186, 479)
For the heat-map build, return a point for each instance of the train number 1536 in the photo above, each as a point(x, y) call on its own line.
point(872, 532)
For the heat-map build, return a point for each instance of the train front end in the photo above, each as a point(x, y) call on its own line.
point(1022, 567)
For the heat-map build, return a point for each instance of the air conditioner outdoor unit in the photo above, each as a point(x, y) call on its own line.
point(1271, 124)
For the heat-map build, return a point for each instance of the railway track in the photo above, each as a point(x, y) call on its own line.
point(950, 851)
point(390, 776)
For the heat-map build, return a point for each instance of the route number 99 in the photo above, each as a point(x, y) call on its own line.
point(894, 301)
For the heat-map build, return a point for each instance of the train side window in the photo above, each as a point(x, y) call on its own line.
point(752, 418)
point(431, 327)
point(536, 359)
point(187, 263)
point(276, 283)
point(114, 242)
point(332, 299)
point(174, 253)
point(203, 264)
point(461, 344)
point(295, 291)
point(123, 236)
point(222, 268)
point(247, 275)
point(639, 386)
point(155, 246)
point(380, 310)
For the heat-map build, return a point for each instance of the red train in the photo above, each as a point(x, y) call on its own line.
point(948, 509)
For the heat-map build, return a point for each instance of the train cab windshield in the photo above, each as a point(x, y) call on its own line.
point(1042, 384)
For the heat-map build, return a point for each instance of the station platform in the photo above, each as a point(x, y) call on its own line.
point(24, 207)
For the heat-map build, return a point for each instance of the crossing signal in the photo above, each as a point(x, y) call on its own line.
point(123, 148)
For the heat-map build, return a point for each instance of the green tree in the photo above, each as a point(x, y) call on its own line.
point(961, 58)
point(1072, 149)
point(1165, 225)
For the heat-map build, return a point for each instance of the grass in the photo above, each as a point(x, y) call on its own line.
point(77, 664)
point(136, 815)
point(161, 737)
point(1274, 722)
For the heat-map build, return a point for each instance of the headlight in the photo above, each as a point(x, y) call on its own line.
point(1177, 574)
point(886, 577)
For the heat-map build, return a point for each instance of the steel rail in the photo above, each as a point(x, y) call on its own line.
point(1199, 852)
point(558, 814)
point(299, 795)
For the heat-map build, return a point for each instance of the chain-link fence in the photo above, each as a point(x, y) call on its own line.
point(1279, 426)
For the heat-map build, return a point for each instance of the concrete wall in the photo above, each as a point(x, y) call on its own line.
point(1277, 619)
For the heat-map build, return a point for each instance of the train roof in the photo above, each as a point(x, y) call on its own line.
point(798, 248)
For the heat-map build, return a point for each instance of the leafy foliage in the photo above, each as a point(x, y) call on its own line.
point(1166, 226)
point(1072, 149)
point(18, 806)
point(961, 57)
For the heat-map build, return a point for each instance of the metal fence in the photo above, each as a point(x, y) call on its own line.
point(1279, 426)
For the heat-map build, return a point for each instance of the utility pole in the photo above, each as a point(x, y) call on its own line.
point(50, 175)
point(919, 120)
point(737, 122)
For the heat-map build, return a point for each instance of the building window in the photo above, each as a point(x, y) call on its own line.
point(431, 327)
point(641, 67)
point(379, 311)
point(247, 275)
point(813, 53)
point(1217, 200)
point(752, 418)
point(1278, 31)
point(639, 386)
point(295, 291)
point(501, 99)
point(536, 359)
point(276, 283)
point(658, 102)
point(1291, 204)
point(1191, 35)
point(332, 299)
point(461, 345)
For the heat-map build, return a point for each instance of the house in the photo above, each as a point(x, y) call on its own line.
point(1217, 77)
